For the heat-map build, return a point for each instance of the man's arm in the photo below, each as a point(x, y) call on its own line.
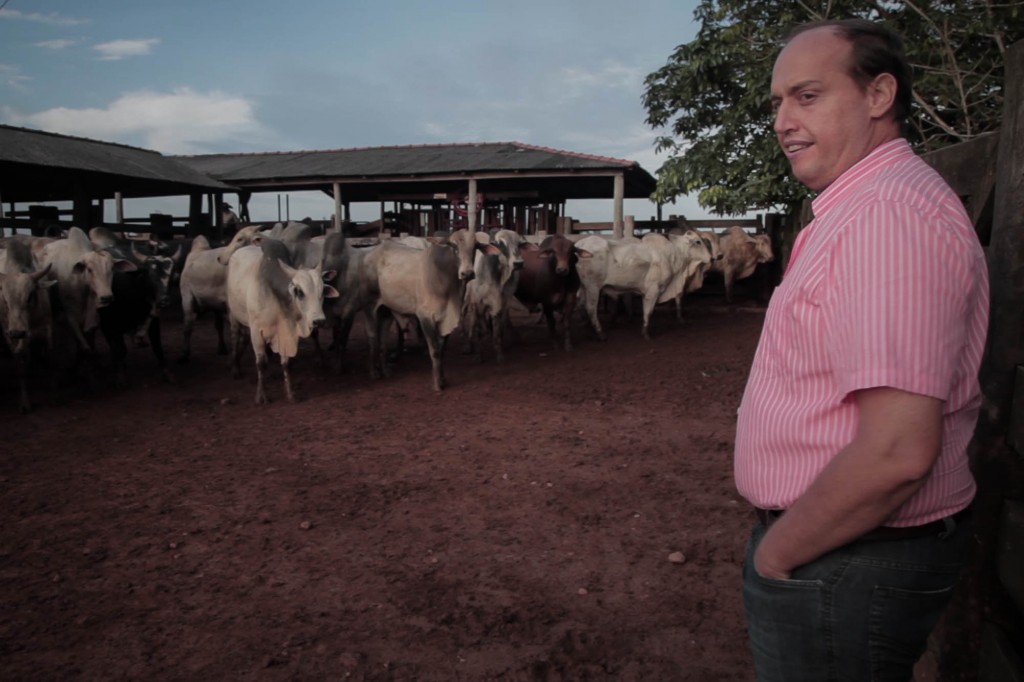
point(899, 437)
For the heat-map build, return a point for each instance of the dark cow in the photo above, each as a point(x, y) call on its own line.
point(355, 289)
point(549, 279)
point(139, 296)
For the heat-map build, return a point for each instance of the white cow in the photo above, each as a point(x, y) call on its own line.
point(658, 267)
point(25, 314)
point(489, 293)
point(279, 305)
point(84, 274)
point(203, 285)
point(425, 284)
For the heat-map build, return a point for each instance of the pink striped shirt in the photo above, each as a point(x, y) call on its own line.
point(887, 286)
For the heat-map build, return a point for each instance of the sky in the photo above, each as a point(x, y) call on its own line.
point(189, 77)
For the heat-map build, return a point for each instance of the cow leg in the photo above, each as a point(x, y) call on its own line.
point(494, 322)
point(260, 349)
point(591, 296)
point(157, 344)
point(118, 353)
point(236, 355)
point(188, 318)
point(21, 361)
point(435, 347)
point(650, 299)
point(548, 314)
point(289, 394)
point(341, 332)
point(376, 319)
point(729, 277)
point(218, 324)
point(567, 309)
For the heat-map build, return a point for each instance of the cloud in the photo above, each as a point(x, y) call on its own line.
point(12, 76)
point(612, 75)
point(178, 122)
point(119, 49)
point(57, 44)
point(52, 18)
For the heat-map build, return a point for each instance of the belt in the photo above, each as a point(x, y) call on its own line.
point(940, 527)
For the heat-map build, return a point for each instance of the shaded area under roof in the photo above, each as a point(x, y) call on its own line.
point(420, 171)
point(38, 166)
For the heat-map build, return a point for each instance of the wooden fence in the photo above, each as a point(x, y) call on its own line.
point(982, 634)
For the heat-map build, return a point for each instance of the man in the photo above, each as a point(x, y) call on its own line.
point(229, 218)
point(853, 430)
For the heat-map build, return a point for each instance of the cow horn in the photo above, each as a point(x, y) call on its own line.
point(36, 276)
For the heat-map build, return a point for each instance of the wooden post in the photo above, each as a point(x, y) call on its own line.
point(337, 207)
point(471, 212)
point(629, 226)
point(118, 208)
point(620, 194)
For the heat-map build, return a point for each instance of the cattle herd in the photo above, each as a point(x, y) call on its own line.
point(285, 283)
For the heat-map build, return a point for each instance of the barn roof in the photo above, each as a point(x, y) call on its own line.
point(42, 166)
point(370, 173)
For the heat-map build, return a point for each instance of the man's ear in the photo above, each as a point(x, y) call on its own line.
point(882, 94)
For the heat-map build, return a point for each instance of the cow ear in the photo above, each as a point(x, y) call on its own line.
point(546, 253)
point(122, 265)
point(331, 292)
point(528, 246)
point(489, 249)
point(79, 268)
point(329, 275)
point(45, 283)
point(583, 253)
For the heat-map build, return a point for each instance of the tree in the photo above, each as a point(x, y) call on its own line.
point(713, 97)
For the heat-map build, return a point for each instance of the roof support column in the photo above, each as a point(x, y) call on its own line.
point(119, 208)
point(337, 207)
point(471, 207)
point(620, 193)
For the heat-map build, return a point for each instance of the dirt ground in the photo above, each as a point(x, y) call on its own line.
point(517, 527)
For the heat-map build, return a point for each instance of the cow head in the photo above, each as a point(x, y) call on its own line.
point(158, 271)
point(697, 255)
point(510, 242)
point(95, 269)
point(244, 237)
point(20, 295)
point(562, 252)
point(300, 291)
point(764, 248)
point(465, 245)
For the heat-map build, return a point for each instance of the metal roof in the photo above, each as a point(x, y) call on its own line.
point(376, 173)
point(42, 166)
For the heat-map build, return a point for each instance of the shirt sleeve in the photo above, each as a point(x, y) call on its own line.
point(899, 300)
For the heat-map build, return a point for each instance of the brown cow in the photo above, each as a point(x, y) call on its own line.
point(741, 254)
point(549, 279)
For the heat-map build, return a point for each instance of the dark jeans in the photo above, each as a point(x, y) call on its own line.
point(860, 613)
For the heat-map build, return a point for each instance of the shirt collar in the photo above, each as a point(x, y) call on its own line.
point(878, 158)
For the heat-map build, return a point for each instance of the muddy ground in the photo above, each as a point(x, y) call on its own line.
point(517, 527)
